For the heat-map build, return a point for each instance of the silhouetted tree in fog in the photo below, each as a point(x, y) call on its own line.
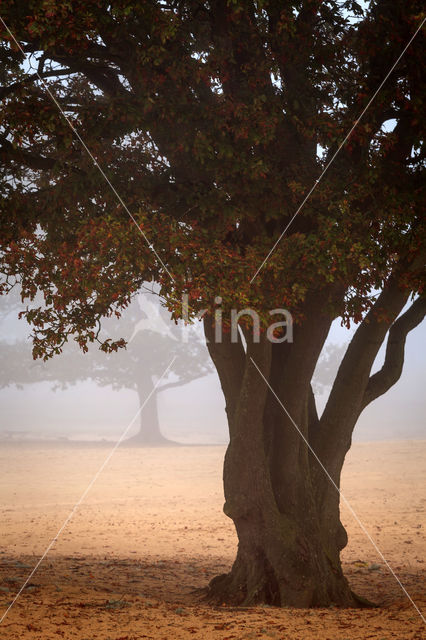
point(153, 341)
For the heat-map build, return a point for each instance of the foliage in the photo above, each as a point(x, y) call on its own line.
point(148, 353)
point(212, 121)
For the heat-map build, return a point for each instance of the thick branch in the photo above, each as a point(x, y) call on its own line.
point(5, 91)
point(389, 374)
point(344, 403)
point(100, 74)
point(29, 159)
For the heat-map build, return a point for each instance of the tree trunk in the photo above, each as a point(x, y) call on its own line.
point(283, 464)
point(149, 431)
point(285, 555)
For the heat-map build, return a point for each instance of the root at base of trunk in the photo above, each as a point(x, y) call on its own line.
point(234, 589)
point(225, 589)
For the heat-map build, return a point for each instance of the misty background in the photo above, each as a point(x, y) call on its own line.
point(94, 396)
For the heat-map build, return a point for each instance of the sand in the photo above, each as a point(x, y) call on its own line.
point(151, 531)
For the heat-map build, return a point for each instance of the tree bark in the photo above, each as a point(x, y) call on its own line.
point(283, 557)
point(283, 464)
point(332, 438)
point(389, 374)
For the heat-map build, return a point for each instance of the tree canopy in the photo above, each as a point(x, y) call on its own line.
point(212, 121)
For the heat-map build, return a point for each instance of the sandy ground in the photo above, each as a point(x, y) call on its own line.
point(151, 531)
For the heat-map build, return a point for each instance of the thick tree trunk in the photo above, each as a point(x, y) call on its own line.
point(285, 555)
point(283, 464)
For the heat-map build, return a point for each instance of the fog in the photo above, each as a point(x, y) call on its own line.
point(93, 396)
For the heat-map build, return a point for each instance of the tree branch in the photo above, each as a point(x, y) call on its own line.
point(344, 403)
point(389, 374)
point(178, 383)
point(5, 91)
point(102, 76)
point(31, 160)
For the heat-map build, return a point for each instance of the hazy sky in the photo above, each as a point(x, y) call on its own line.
point(191, 413)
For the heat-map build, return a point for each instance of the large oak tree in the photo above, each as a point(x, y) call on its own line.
point(212, 121)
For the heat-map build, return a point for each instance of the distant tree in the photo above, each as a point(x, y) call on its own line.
point(326, 369)
point(153, 340)
point(143, 362)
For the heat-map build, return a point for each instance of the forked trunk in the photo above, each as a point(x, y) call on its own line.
point(283, 464)
point(288, 554)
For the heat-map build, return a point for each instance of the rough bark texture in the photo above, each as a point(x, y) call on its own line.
point(281, 493)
